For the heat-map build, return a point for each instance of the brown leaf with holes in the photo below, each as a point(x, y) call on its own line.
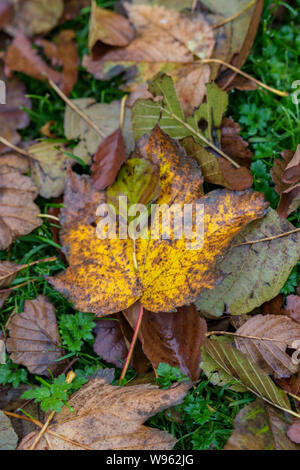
point(108, 27)
point(110, 155)
point(109, 342)
point(12, 117)
point(108, 417)
point(18, 212)
point(271, 356)
point(286, 177)
point(175, 338)
point(34, 339)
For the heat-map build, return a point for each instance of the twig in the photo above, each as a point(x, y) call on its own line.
point(283, 234)
point(236, 15)
point(122, 111)
point(235, 69)
point(9, 289)
point(70, 377)
point(48, 216)
point(262, 338)
point(43, 260)
point(14, 147)
point(132, 344)
point(75, 108)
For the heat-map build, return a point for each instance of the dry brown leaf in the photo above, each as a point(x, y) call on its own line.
point(6, 10)
point(72, 9)
point(110, 155)
point(36, 16)
point(175, 338)
point(271, 356)
point(14, 160)
point(233, 144)
point(8, 272)
point(11, 116)
point(108, 27)
point(292, 308)
point(190, 86)
point(273, 306)
point(109, 342)
point(34, 339)
point(107, 417)
point(18, 212)
point(294, 432)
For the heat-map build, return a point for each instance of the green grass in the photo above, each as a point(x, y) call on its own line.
point(269, 123)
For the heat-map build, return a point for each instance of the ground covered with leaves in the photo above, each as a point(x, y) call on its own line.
point(159, 346)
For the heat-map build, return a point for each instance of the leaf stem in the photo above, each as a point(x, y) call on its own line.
point(283, 234)
point(132, 344)
point(14, 147)
point(236, 15)
point(262, 338)
point(122, 111)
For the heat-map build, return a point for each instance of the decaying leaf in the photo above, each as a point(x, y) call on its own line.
point(166, 273)
point(11, 116)
point(271, 356)
point(294, 432)
point(259, 426)
point(106, 116)
point(174, 338)
point(72, 9)
point(8, 437)
point(286, 176)
point(166, 40)
point(292, 308)
point(36, 16)
point(6, 10)
point(108, 27)
point(8, 272)
point(18, 212)
point(253, 273)
point(14, 160)
point(250, 375)
point(109, 341)
point(49, 168)
point(2, 352)
point(110, 155)
point(34, 339)
point(117, 415)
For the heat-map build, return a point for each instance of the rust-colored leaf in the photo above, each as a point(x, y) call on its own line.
point(271, 356)
point(117, 415)
point(6, 10)
point(175, 338)
point(109, 342)
point(110, 155)
point(34, 339)
point(103, 276)
point(108, 27)
point(233, 144)
point(72, 9)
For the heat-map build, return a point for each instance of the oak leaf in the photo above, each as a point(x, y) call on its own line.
point(34, 339)
point(165, 274)
point(271, 356)
point(117, 415)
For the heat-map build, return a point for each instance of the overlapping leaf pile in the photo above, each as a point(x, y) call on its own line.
point(171, 138)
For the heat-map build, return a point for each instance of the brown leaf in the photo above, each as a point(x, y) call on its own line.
point(260, 426)
point(108, 27)
point(117, 415)
point(8, 272)
point(11, 116)
point(36, 16)
point(190, 86)
point(175, 338)
point(18, 213)
point(242, 83)
point(111, 154)
point(34, 339)
point(233, 144)
point(274, 306)
point(292, 308)
point(72, 9)
point(14, 160)
point(291, 385)
point(6, 10)
point(21, 57)
point(109, 342)
point(63, 52)
point(271, 356)
point(294, 432)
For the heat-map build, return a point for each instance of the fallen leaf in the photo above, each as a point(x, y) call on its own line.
point(36, 16)
point(49, 168)
point(271, 356)
point(117, 414)
point(190, 85)
point(2, 352)
point(259, 426)
point(109, 342)
point(11, 116)
point(21, 57)
point(174, 338)
point(8, 273)
point(18, 212)
point(105, 116)
point(72, 9)
point(108, 27)
point(169, 275)
point(14, 160)
point(6, 10)
point(233, 144)
point(34, 339)
point(165, 40)
point(273, 306)
point(63, 53)
point(241, 367)
point(292, 308)
point(8, 437)
point(286, 176)
point(253, 273)
point(46, 130)
point(294, 432)
point(110, 155)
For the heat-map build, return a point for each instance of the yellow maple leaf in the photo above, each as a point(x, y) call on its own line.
point(109, 275)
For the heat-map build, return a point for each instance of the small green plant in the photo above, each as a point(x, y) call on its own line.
point(75, 329)
point(11, 373)
point(168, 374)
